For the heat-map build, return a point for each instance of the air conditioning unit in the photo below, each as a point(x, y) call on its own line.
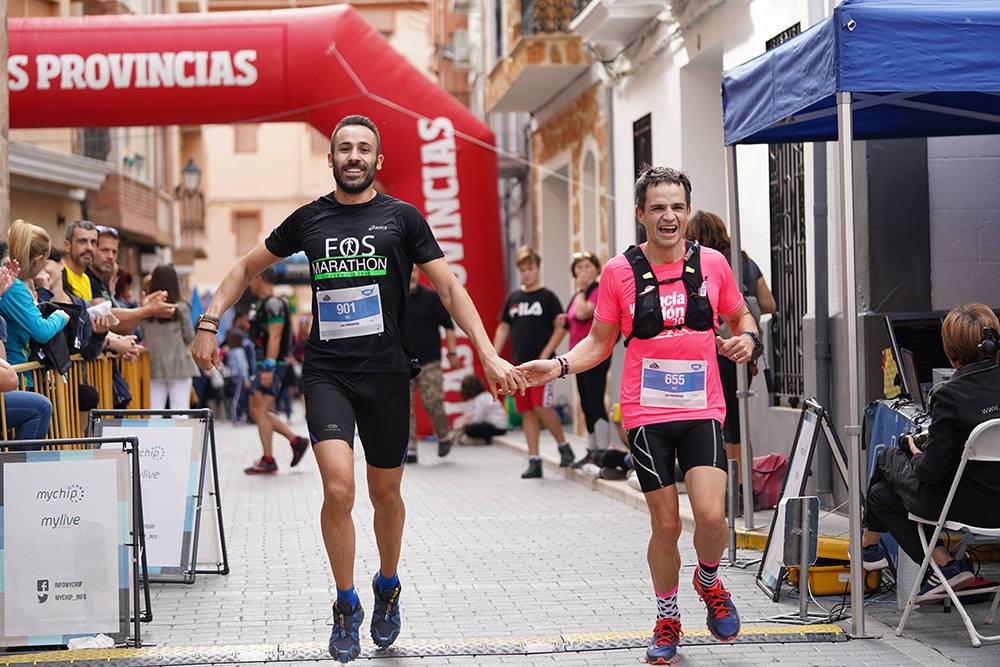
point(459, 50)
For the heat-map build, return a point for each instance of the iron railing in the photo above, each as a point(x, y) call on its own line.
point(541, 16)
point(788, 260)
point(63, 390)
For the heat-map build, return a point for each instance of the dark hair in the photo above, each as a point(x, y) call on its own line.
point(472, 386)
point(650, 176)
point(123, 288)
point(164, 277)
point(269, 275)
point(363, 121)
point(963, 330)
point(55, 255)
point(86, 225)
point(235, 337)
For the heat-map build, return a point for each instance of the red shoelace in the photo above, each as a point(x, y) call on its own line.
point(667, 632)
point(716, 599)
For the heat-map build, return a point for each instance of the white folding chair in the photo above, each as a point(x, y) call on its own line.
point(983, 445)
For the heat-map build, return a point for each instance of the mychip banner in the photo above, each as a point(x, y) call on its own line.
point(171, 477)
point(64, 536)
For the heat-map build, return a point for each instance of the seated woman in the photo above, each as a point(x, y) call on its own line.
point(29, 246)
point(26, 412)
point(918, 481)
point(483, 418)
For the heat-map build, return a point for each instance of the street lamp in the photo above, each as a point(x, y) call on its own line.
point(191, 175)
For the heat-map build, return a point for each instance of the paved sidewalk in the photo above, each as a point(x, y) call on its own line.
point(486, 555)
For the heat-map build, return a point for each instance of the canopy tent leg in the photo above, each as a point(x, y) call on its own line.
point(743, 392)
point(845, 145)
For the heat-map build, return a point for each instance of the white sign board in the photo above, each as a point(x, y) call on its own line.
point(771, 569)
point(65, 523)
point(169, 464)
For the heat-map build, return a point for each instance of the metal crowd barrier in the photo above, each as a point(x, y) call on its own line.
point(63, 390)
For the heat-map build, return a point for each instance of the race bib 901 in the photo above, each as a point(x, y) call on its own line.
point(349, 312)
point(668, 383)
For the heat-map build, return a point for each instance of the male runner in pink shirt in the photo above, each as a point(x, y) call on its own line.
point(671, 397)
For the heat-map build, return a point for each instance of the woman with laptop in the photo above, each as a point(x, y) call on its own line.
point(916, 476)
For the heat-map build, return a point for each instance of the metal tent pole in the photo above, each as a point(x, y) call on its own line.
point(742, 389)
point(853, 412)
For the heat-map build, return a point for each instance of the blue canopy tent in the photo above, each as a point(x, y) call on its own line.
point(874, 69)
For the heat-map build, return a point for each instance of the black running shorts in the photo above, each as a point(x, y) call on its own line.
point(656, 446)
point(379, 403)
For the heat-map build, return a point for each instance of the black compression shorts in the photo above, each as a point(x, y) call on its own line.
point(656, 446)
point(379, 403)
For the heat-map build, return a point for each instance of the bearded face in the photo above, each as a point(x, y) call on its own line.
point(355, 159)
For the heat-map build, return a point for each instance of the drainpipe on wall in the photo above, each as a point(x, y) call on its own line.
point(824, 461)
point(819, 9)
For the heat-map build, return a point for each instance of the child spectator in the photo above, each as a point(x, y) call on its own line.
point(483, 418)
point(238, 370)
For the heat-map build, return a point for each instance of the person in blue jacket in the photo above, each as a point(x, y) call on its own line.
point(29, 246)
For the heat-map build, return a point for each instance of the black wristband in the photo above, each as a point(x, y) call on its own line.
point(212, 331)
point(563, 366)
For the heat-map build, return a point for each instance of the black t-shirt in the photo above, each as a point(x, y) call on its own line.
point(424, 314)
point(360, 256)
point(531, 316)
point(265, 312)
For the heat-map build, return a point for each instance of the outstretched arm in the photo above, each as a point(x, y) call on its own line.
point(589, 352)
point(457, 301)
point(205, 348)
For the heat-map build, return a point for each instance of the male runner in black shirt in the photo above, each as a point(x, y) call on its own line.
point(361, 246)
point(271, 333)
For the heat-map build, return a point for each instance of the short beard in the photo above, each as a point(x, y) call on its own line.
point(353, 189)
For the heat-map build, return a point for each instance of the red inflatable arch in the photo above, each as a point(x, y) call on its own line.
point(314, 65)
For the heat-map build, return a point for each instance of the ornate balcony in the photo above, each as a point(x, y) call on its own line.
point(545, 58)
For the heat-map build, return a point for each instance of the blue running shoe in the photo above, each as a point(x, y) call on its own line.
point(385, 615)
point(959, 576)
point(873, 558)
point(663, 650)
point(723, 620)
point(345, 641)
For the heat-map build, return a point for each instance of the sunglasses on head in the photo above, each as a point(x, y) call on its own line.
point(582, 255)
point(101, 229)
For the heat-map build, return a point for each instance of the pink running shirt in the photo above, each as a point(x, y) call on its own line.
point(682, 354)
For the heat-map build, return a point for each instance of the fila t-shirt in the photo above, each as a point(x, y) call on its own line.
point(531, 316)
point(360, 256)
point(674, 376)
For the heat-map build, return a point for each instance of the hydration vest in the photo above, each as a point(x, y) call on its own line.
point(647, 318)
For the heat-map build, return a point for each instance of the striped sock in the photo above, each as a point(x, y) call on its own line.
point(666, 605)
point(708, 575)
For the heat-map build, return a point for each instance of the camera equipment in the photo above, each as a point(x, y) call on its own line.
point(920, 435)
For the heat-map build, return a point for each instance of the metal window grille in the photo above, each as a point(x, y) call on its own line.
point(539, 16)
point(95, 142)
point(642, 155)
point(788, 260)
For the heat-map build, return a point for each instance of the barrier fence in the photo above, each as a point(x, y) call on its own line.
point(64, 390)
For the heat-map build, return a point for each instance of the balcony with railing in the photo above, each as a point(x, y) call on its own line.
point(545, 57)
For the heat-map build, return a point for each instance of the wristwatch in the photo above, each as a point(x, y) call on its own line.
point(755, 338)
